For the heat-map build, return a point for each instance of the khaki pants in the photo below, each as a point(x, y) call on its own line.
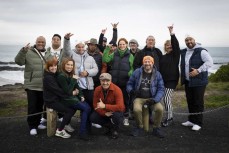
point(141, 114)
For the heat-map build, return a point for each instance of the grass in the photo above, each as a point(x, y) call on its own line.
point(14, 108)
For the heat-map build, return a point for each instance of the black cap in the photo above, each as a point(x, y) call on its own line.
point(113, 43)
point(105, 39)
point(57, 35)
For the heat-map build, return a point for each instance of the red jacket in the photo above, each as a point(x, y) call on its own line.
point(114, 99)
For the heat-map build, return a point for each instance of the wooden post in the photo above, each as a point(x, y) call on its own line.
point(51, 121)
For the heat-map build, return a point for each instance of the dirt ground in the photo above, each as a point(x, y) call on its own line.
point(212, 138)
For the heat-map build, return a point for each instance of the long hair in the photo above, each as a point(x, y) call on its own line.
point(64, 62)
point(166, 42)
point(50, 62)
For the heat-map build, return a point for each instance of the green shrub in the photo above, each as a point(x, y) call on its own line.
point(221, 75)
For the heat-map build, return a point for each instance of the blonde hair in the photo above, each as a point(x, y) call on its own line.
point(166, 42)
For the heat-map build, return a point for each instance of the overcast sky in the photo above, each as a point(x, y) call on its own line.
point(21, 21)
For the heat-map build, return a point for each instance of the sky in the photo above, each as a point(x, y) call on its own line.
point(22, 21)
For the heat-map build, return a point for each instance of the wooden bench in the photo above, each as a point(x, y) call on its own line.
point(51, 121)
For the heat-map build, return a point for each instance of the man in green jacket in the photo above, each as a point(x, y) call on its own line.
point(34, 59)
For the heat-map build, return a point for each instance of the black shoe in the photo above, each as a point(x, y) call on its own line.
point(114, 134)
point(167, 122)
point(136, 132)
point(84, 136)
point(158, 133)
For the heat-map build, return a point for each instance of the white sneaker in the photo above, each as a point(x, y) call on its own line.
point(126, 122)
point(33, 132)
point(62, 134)
point(96, 125)
point(188, 123)
point(60, 119)
point(69, 128)
point(43, 120)
point(196, 127)
point(41, 127)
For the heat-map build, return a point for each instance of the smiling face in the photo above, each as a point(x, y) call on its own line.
point(69, 66)
point(80, 48)
point(148, 65)
point(56, 42)
point(190, 42)
point(53, 68)
point(168, 46)
point(150, 42)
point(40, 43)
point(105, 83)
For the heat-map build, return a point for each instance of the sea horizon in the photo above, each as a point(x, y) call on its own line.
point(12, 73)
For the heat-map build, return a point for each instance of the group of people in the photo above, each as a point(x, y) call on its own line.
point(108, 82)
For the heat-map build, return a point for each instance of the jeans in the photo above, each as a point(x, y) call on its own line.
point(85, 111)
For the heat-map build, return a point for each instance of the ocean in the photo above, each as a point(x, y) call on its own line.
point(11, 73)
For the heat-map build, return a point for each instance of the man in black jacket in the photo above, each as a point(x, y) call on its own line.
point(148, 50)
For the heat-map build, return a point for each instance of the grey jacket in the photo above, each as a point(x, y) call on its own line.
point(88, 61)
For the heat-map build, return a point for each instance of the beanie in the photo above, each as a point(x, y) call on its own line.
point(148, 58)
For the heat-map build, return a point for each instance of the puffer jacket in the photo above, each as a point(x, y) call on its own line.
point(88, 61)
point(34, 68)
point(156, 87)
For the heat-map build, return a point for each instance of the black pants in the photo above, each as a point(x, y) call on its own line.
point(195, 100)
point(126, 101)
point(66, 111)
point(35, 105)
point(113, 121)
point(88, 95)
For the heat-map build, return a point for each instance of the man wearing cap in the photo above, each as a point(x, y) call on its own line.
point(148, 50)
point(195, 62)
point(133, 44)
point(147, 85)
point(109, 105)
point(94, 51)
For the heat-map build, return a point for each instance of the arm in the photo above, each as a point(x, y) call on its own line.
point(208, 61)
point(107, 58)
point(137, 60)
point(131, 82)
point(52, 85)
point(115, 32)
point(174, 43)
point(96, 99)
point(67, 46)
point(119, 102)
point(131, 60)
point(160, 88)
point(92, 69)
point(21, 56)
point(66, 87)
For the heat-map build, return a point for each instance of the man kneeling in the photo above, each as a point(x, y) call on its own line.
point(109, 105)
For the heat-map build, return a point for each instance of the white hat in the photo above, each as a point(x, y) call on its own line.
point(80, 42)
point(189, 36)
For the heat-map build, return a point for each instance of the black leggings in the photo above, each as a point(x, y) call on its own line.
point(67, 112)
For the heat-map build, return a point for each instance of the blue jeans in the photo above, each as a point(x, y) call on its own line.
point(85, 111)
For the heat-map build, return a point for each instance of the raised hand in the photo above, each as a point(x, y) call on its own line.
point(26, 48)
point(170, 29)
point(104, 31)
point(68, 35)
point(114, 25)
